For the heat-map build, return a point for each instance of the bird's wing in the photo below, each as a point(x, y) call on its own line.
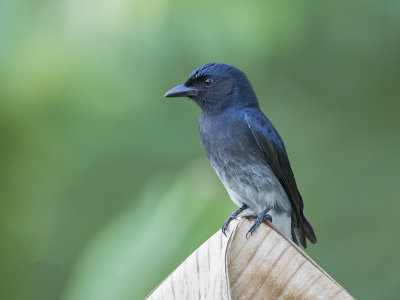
point(271, 144)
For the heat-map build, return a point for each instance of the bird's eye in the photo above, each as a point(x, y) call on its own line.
point(208, 82)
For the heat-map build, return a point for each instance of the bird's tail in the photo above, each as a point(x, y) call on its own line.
point(302, 231)
point(309, 231)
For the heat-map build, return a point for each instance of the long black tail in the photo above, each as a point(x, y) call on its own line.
point(302, 230)
point(309, 231)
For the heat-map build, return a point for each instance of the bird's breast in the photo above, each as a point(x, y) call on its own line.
point(227, 142)
point(239, 163)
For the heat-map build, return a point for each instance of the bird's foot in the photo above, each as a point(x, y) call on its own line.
point(225, 226)
point(255, 216)
point(231, 217)
point(261, 217)
point(250, 217)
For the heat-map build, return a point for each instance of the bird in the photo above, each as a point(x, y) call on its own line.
point(246, 151)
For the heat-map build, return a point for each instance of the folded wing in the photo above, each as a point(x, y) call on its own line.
point(271, 144)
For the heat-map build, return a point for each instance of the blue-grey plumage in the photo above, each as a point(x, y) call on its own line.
point(245, 149)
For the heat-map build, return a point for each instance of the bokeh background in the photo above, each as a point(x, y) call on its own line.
point(104, 186)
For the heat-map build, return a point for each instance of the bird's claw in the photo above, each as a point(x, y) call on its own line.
point(225, 226)
point(263, 216)
point(251, 230)
point(231, 217)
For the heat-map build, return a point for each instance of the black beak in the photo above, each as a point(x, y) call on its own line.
point(181, 91)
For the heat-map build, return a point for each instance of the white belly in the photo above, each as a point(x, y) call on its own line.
point(261, 192)
point(256, 186)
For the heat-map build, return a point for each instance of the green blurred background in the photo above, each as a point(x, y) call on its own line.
point(104, 186)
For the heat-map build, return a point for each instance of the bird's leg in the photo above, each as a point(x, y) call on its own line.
point(261, 217)
point(233, 216)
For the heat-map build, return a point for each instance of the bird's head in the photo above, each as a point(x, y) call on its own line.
point(216, 87)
